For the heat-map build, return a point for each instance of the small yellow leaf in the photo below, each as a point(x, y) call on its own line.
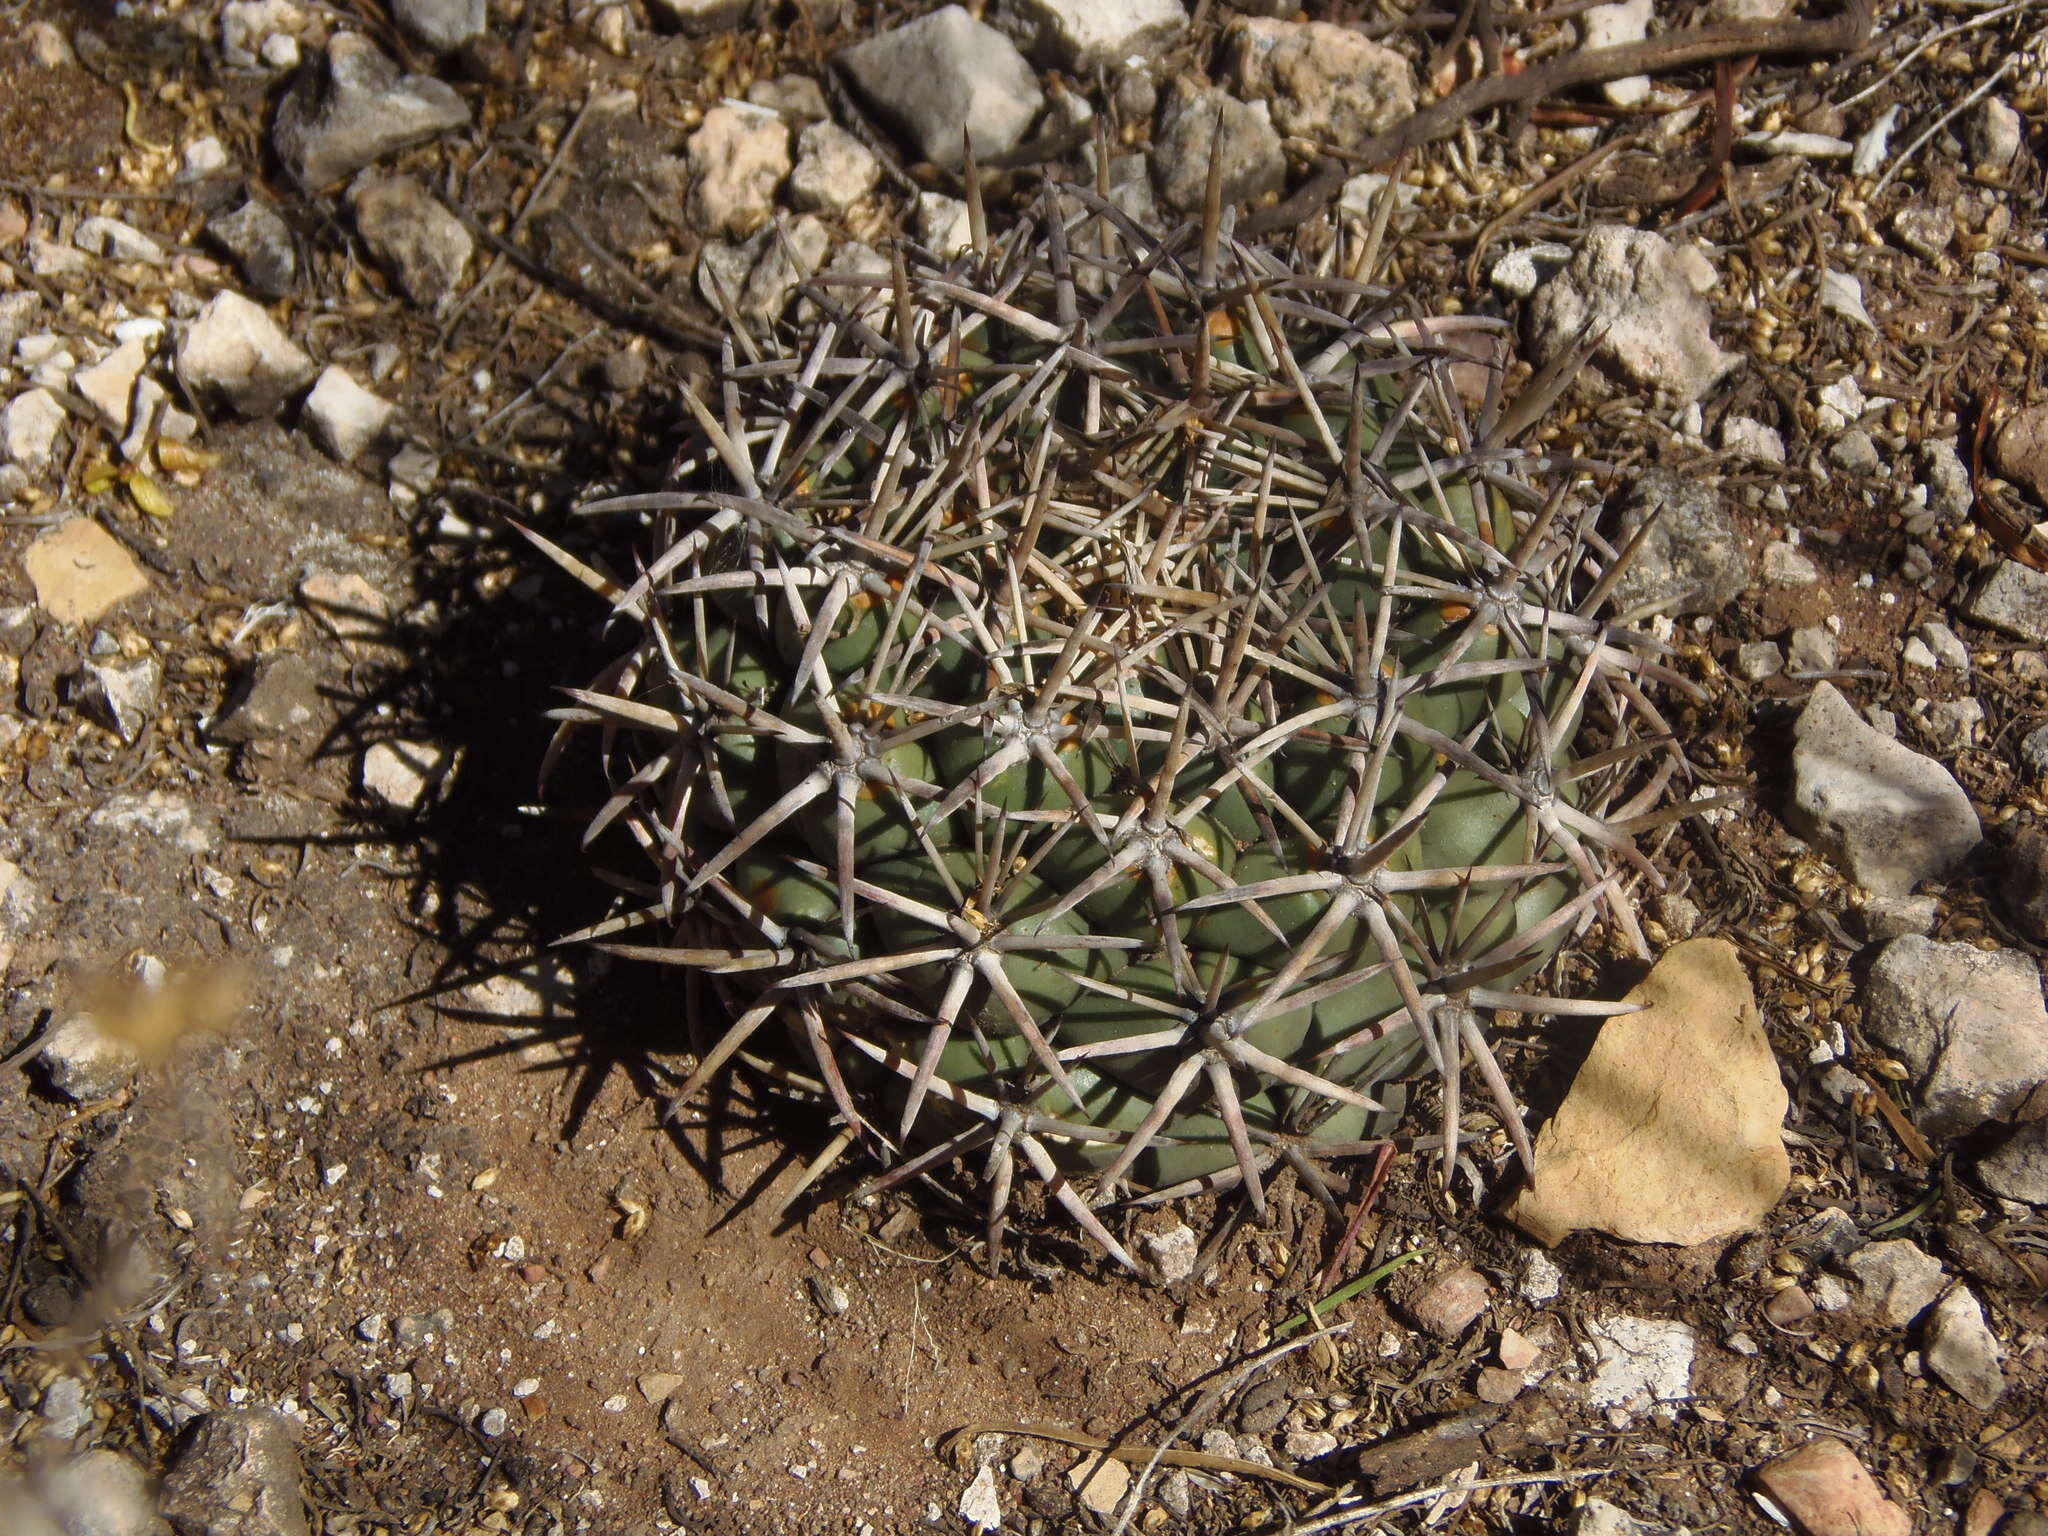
point(180, 457)
point(148, 495)
point(99, 478)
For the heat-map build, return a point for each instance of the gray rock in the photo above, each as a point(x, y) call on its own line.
point(66, 1413)
point(1325, 82)
point(1961, 1350)
point(1994, 134)
point(2015, 600)
point(102, 1493)
point(943, 75)
point(1171, 1252)
point(1750, 438)
point(257, 240)
point(343, 417)
point(122, 695)
point(755, 280)
point(2018, 1167)
point(1968, 1024)
point(278, 701)
point(1811, 650)
point(943, 225)
point(236, 1473)
point(797, 97)
point(21, 906)
point(1945, 645)
point(738, 159)
point(1645, 297)
point(1082, 36)
point(1785, 566)
point(164, 818)
point(440, 26)
point(116, 241)
point(834, 170)
point(421, 244)
point(110, 386)
point(1895, 1281)
point(1855, 453)
point(2034, 751)
point(1947, 479)
point(235, 354)
point(1692, 559)
point(29, 424)
point(1890, 816)
point(351, 106)
point(83, 1062)
point(1198, 121)
point(1953, 723)
point(2021, 449)
point(1925, 229)
point(2025, 887)
point(18, 316)
point(1915, 653)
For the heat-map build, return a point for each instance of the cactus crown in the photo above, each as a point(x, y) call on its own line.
point(1102, 693)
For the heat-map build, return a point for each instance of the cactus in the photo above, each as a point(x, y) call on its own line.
point(1104, 696)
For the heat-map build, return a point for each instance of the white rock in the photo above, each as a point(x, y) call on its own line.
point(738, 158)
point(1172, 1252)
point(1842, 404)
point(1996, 134)
point(980, 1505)
point(1890, 815)
point(1099, 1483)
point(116, 241)
point(406, 775)
point(203, 157)
point(1969, 1025)
point(164, 818)
point(756, 279)
point(2015, 600)
point(109, 386)
point(1323, 82)
point(122, 695)
point(344, 417)
point(246, 25)
point(83, 1062)
point(943, 226)
point(1784, 566)
point(1082, 36)
point(1611, 26)
point(1752, 439)
point(29, 424)
point(1841, 293)
point(1537, 1277)
point(1643, 294)
point(1360, 199)
point(235, 352)
point(1895, 1281)
point(47, 258)
point(1874, 147)
point(1642, 1361)
point(945, 76)
point(834, 170)
point(1961, 1349)
point(1759, 659)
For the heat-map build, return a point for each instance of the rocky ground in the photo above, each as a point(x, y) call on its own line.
point(327, 1206)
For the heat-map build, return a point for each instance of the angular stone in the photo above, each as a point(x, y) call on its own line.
point(1891, 816)
point(1670, 1133)
point(116, 241)
point(2015, 600)
point(756, 279)
point(1612, 26)
point(1082, 36)
point(1324, 82)
point(1449, 1304)
point(236, 1473)
point(1198, 121)
point(1641, 1361)
point(1895, 1281)
point(834, 170)
point(1961, 1349)
point(122, 695)
point(2018, 1167)
point(84, 1063)
point(406, 776)
point(1642, 295)
point(259, 242)
point(1968, 1024)
point(419, 242)
point(1692, 560)
point(1825, 1491)
point(738, 158)
point(29, 426)
point(945, 75)
point(351, 106)
point(440, 26)
point(279, 700)
point(344, 417)
point(115, 389)
point(236, 354)
point(80, 572)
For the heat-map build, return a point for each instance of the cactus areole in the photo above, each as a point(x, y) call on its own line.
point(1109, 701)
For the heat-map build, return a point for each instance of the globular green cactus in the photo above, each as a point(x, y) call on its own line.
point(1106, 696)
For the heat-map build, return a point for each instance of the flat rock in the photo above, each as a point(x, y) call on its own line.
point(1890, 816)
point(1961, 1350)
point(80, 572)
point(1640, 1362)
point(259, 242)
point(406, 776)
point(30, 424)
point(1894, 1281)
point(1198, 121)
point(1099, 1482)
point(2018, 1167)
point(109, 385)
point(236, 355)
point(738, 159)
point(943, 75)
point(116, 241)
point(1967, 1023)
point(236, 1473)
point(279, 700)
point(1324, 82)
point(1825, 1491)
point(1644, 296)
point(85, 1063)
point(1670, 1131)
point(350, 106)
point(419, 242)
point(344, 418)
point(440, 26)
point(1612, 26)
point(348, 606)
point(1692, 560)
point(2015, 600)
point(1082, 36)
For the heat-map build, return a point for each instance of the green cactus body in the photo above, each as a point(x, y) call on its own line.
point(1138, 734)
